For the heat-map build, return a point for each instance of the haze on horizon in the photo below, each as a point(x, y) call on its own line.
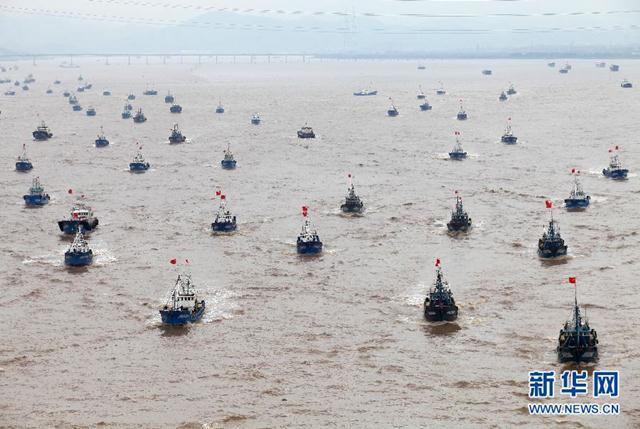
point(329, 27)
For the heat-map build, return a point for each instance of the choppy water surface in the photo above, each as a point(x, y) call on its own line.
point(337, 340)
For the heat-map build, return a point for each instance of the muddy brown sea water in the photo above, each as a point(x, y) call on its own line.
point(332, 341)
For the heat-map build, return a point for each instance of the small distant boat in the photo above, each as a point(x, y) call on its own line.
point(73, 100)
point(551, 244)
point(460, 220)
point(551, 64)
point(79, 254)
point(577, 200)
point(220, 108)
point(56, 82)
point(139, 117)
point(458, 152)
point(23, 163)
point(308, 242)
point(228, 163)
point(128, 106)
point(80, 89)
point(29, 79)
point(462, 114)
point(25, 87)
point(88, 86)
point(66, 94)
point(564, 70)
point(175, 108)
point(183, 306)
point(77, 108)
point(106, 92)
point(421, 67)
point(139, 165)
point(568, 66)
point(352, 202)
point(80, 78)
point(626, 84)
point(131, 97)
point(503, 96)
point(224, 220)
point(511, 90)
point(439, 305)
point(306, 132)
point(392, 110)
point(615, 170)
point(101, 141)
point(91, 111)
point(9, 92)
point(614, 67)
point(126, 113)
point(508, 136)
point(420, 95)
point(441, 90)
point(577, 342)
point(81, 216)
point(150, 92)
point(425, 106)
point(36, 195)
point(49, 91)
point(16, 83)
point(255, 119)
point(487, 72)
point(365, 93)
point(176, 136)
point(601, 65)
point(168, 98)
point(42, 132)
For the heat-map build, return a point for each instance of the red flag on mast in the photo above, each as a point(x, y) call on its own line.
point(218, 193)
point(549, 204)
point(70, 191)
point(173, 261)
point(437, 262)
point(573, 171)
point(572, 280)
point(223, 197)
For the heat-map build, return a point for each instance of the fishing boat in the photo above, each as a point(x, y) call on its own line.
point(577, 342)
point(306, 132)
point(421, 67)
point(128, 106)
point(458, 152)
point(175, 108)
point(255, 119)
point(462, 114)
point(224, 220)
point(131, 97)
point(392, 110)
point(425, 106)
point(101, 141)
point(36, 195)
point(126, 113)
point(77, 108)
point(511, 90)
point(57, 82)
point(420, 95)
point(601, 65)
point(42, 132)
point(228, 163)
point(79, 254)
point(220, 108)
point(81, 216)
point(138, 165)
point(91, 111)
point(106, 92)
point(563, 70)
point(23, 163)
point(614, 67)
point(49, 91)
point(439, 305)
point(352, 202)
point(508, 136)
point(73, 100)
point(139, 117)
point(25, 87)
point(441, 90)
point(460, 220)
point(487, 72)
point(626, 84)
point(577, 200)
point(16, 83)
point(615, 170)
point(29, 79)
point(184, 305)
point(80, 78)
point(168, 98)
point(66, 94)
point(551, 244)
point(308, 242)
point(150, 92)
point(9, 92)
point(176, 136)
point(88, 86)
point(80, 89)
point(503, 96)
point(365, 93)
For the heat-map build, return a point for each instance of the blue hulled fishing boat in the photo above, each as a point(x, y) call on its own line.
point(439, 305)
point(176, 136)
point(420, 95)
point(220, 108)
point(577, 342)
point(36, 195)
point(255, 119)
point(139, 117)
point(462, 114)
point(183, 305)
point(441, 90)
point(150, 91)
point(224, 220)
point(81, 216)
point(508, 136)
point(551, 244)
point(101, 141)
point(23, 163)
point(615, 170)
point(551, 64)
point(42, 132)
point(49, 91)
point(79, 254)
point(131, 97)
point(458, 152)
point(175, 108)
point(577, 200)
point(626, 84)
point(106, 92)
point(460, 220)
point(392, 110)
point(77, 108)
point(139, 165)
point(365, 93)
point(352, 202)
point(487, 72)
point(73, 100)
point(126, 113)
point(511, 90)
point(169, 98)
point(91, 111)
point(306, 132)
point(66, 94)
point(308, 242)
point(9, 92)
point(228, 163)
point(614, 67)
point(503, 96)
point(425, 106)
